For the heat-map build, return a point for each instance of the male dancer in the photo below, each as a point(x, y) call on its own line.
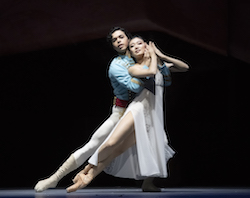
point(122, 83)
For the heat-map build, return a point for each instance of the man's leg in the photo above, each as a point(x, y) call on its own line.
point(68, 166)
point(80, 156)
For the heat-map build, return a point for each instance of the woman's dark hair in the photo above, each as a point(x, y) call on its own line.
point(109, 36)
point(137, 36)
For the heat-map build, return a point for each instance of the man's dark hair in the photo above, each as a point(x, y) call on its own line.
point(109, 36)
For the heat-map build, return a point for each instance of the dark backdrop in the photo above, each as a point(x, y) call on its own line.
point(53, 99)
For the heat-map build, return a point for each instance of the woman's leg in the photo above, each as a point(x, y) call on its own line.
point(122, 132)
point(121, 148)
point(125, 144)
point(83, 178)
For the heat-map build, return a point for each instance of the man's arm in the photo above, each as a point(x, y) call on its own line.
point(164, 69)
point(123, 78)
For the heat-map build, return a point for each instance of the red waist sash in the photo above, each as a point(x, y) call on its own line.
point(120, 103)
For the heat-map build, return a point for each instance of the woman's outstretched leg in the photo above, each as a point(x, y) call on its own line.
point(122, 132)
point(83, 178)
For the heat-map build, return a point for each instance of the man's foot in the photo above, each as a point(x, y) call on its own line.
point(68, 166)
point(45, 184)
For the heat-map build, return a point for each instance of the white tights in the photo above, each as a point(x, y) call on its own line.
point(82, 154)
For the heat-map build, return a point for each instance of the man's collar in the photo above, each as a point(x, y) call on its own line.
point(126, 54)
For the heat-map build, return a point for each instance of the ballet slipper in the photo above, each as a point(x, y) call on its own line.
point(84, 171)
point(148, 185)
point(77, 185)
point(81, 181)
point(68, 166)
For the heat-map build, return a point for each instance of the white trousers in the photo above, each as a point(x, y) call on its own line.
point(82, 154)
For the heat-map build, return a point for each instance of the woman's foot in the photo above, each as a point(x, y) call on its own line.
point(82, 179)
point(84, 172)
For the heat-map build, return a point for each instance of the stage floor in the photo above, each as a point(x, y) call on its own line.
point(131, 192)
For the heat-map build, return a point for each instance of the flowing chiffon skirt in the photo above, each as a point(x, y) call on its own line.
point(149, 156)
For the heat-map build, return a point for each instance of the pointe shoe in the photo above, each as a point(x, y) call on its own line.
point(84, 171)
point(86, 179)
point(80, 181)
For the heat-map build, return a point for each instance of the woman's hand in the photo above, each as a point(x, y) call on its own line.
point(157, 51)
point(174, 64)
point(146, 54)
point(150, 48)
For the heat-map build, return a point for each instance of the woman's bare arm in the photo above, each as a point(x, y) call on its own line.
point(138, 71)
point(176, 66)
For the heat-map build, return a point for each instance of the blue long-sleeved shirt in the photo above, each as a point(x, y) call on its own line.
point(121, 80)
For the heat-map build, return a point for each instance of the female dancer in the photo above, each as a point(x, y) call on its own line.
point(139, 135)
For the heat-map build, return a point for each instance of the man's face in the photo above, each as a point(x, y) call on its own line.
point(120, 41)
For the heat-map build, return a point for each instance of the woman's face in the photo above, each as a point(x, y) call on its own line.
point(137, 47)
point(120, 41)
